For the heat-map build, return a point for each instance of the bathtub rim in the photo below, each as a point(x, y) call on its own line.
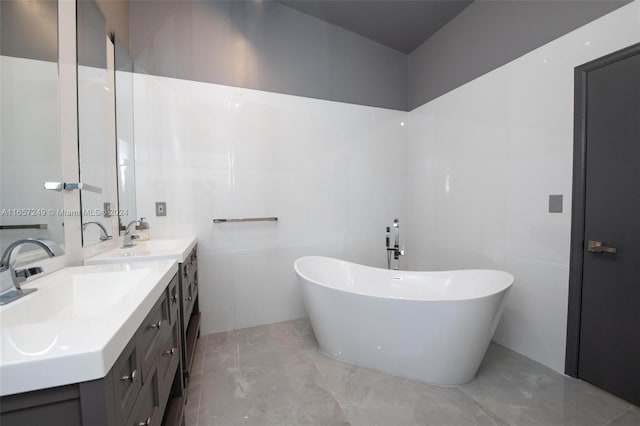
point(422, 300)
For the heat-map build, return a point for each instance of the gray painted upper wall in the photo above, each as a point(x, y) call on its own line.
point(265, 46)
point(489, 34)
point(399, 24)
point(116, 13)
point(29, 29)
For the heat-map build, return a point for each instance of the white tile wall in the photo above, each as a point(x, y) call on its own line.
point(335, 174)
point(469, 174)
point(483, 160)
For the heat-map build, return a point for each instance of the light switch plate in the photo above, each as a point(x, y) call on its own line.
point(107, 210)
point(161, 208)
point(555, 203)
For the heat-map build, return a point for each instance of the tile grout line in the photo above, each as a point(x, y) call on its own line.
point(198, 405)
point(315, 364)
point(204, 352)
point(489, 411)
point(628, 410)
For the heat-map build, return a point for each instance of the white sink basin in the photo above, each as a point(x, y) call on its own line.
point(74, 327)
point(154, 249)
point(75, 297)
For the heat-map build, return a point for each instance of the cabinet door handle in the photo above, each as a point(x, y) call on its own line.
point(185, 269)
point(170, 351)
point(156, 324)
point(146, 422)
point(174, 298)
point(131, 377)
point(598, 247)
point(188, 299)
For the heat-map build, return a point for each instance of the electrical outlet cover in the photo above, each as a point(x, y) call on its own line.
point(161, 208)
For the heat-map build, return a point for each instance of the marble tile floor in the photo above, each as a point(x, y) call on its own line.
point(276, 375)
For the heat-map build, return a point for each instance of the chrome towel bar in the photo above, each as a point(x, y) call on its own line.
point(247, 219)
point(34, 226)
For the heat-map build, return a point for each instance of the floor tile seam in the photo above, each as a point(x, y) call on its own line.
point(250, 343)
point(299, 333)
point(342, 404)
point(309, 357)
point(200, 389)
point(306, 349)
point(201, 384)
point(342, 408)
point(328, 388)
point(627, 410)
point(484, 407)
point(323, 378)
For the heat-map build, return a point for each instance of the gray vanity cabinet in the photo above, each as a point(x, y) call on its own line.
point(190, 311)
point(144, 386)
point(153, 331)
point(126, 391)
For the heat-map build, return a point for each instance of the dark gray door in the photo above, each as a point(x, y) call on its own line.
point(609, 343)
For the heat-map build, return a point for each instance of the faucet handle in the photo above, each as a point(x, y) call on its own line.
point(144, 224)
point(23, 274)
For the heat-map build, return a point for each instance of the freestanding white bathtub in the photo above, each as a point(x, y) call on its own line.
point(428, 326)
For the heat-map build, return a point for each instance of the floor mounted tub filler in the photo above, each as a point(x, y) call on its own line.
point(429, 326)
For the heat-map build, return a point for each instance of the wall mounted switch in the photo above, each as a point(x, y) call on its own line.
point(555, 203)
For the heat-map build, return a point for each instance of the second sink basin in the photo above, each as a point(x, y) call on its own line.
point(155, 249)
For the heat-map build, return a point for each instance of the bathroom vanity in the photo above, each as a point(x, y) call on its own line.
point(184, 252)
point(96, 345)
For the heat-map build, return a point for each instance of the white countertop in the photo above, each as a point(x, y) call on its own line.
point(78, 322)
point(153, 249)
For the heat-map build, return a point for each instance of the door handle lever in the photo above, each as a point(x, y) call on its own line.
point(597, 247)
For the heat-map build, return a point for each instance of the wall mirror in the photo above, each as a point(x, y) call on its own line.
point(30, 143)
point(125, 136)
point(96, 125)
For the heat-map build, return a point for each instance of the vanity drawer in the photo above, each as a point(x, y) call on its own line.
point(146, 411)
point(168, 362)
point(151, 334)
point(187, 303)
point(190, 266)
point(194, 287)
point(126, 381)
point(173, 295)
point(193, 277)
point(193, 258)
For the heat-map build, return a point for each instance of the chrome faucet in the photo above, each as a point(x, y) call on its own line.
point(394, 250)
point(129, 236)
point(19, 276)
point(104, 235)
